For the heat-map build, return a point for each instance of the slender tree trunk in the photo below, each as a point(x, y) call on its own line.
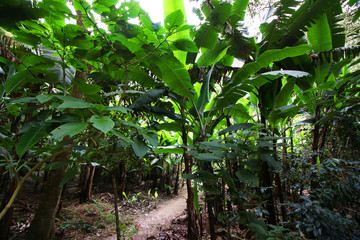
point(122, 179)
point(86, 180)
point(323, 133)
point(279, 186)
point(117, 220)
point(43, 225)
point(316, 136)
point(286, 168)
point(209, 199)
point(176, 187)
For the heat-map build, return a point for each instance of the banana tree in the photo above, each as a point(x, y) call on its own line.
point(206, 112)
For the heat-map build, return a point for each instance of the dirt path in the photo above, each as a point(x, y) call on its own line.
point(152, 222)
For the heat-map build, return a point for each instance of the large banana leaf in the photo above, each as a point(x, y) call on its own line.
point(171, 6)
point(319, 35)
point(174, 74)
point(285, 30)
point(204, 96)
point(269, 57)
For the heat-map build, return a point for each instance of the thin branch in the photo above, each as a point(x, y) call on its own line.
point(21, 183)
point(151, 52)
point(102, 34)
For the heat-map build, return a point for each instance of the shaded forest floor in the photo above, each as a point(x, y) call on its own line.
point(142, 214)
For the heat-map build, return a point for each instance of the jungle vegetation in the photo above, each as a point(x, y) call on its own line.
point(271, 143)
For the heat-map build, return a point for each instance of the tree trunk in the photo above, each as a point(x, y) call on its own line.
point(279, 187)
point(194, 232)
point(86, 180)
point(266, 182)
point(117, 220)
point(5, 222)
point(43, 225)
point(122, 179)
point(209, 199)
point(193, 218)
point(176, 187)
point(316, 136)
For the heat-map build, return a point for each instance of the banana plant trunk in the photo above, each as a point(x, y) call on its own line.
point(316, 135)
point(266, 182)
point(194, 232)
point(193, 218)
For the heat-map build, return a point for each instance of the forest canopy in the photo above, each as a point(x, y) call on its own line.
point(264, 130)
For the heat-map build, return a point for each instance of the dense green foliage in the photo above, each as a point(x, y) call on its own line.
point(272, 144)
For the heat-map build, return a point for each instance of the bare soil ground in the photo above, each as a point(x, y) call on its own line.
point(143, 216)
point(153, 224)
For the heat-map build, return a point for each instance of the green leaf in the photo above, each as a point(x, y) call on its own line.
point(186, 45)
point(22, 100)
point(143, 78)
point(247, 177)
point(235, 127)
point(16, 80)
point(170, 149)
point(103, 123)
point(148, 97)
point(220, 14)
point(208, 157)
point(283, 112)
point(238, 110)
point(89, 89)
point(239, 9)
point(282, 98)
point(139, 147)
point(72, 102)
point(68, 129)
point(258, 229)
point(319, 35)
point(212, 56)
point(269, 57)
point(30, 138)
point(122, 137)
point(44, 98)
point(174, 75)
point(173, 5)
point(69, 175)
point(173, 126)
point(152, 138)
point(38, 62)
point(182, 30)
point(204, 97)
point(266, 157)
point(206, 36)
point(174, 20)
point(119, 109)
